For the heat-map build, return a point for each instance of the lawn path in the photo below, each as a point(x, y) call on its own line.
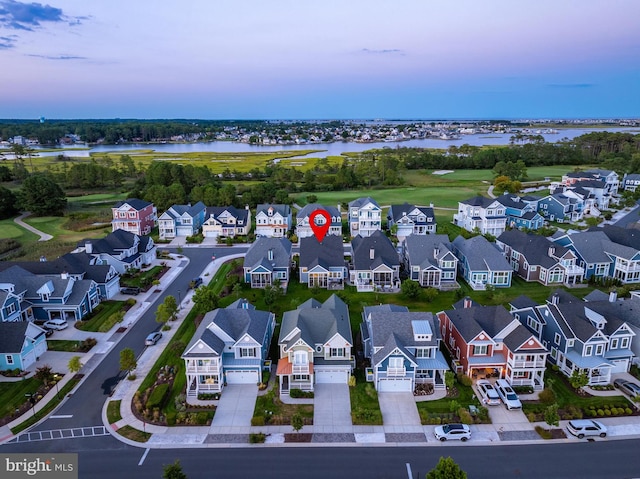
point(19, 222)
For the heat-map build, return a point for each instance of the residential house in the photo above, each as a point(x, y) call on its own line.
point(21, 345)
point(134, 215)
point(375, 263)
point(409, 219)
point(608, 177)
point(50, 296)
point(486, 341)
point(78, 265)
point(273, 220)
point(559, 207)
point(626, 266)
point(631, 182)
point(520, 213)
point(315, 345)
point(365, 217)
point(322, 264)
point(481, 263)
point(481, 214)
point(230, 346)
point(120, 249)
point(593, 192)
point(580, 338)
point(430, 261)
point(402, 347)
point(10, 309)
point(303, 230)
point(535, 258)
point(226, 221)
point(267, 260)
point(181, 220)
point(596, 253)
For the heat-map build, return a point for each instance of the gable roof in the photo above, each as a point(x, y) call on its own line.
point(192, 210)
point(360, 202)
point(512, 201)
point(317, 323)
point(216, 211)
point(480, 254)
point(590, 246)
point(258, 252)
point(534, 248)
point(518, 337)
point(328, 253)
point(311, 207)
point(479, 201)
point(571, 311)
point(384, 251)
point(472, 321)
point(72, 263)
point(397, 212)
point(135, 203)
point(12, 334)
point(113, 243)
point(421, 249)
point(626, 237)
point(284, 210)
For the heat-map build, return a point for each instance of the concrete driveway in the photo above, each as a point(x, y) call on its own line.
point(331, 408)
point(399, 409)
point(505, 420)
point(236, 406)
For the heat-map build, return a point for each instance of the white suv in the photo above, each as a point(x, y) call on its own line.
point(488, 393)
point(586, 427)
point(507, 394)
point(57, 324)
point(452, 431)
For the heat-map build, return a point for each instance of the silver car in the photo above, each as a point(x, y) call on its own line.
point(507, 394)
point(488, 393)
point(627, 387)
point(586, 427)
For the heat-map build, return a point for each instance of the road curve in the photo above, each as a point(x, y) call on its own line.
point(19, 222)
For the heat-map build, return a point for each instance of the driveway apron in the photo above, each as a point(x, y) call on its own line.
point(331, 408)
point(236, 405)
point(400, 412)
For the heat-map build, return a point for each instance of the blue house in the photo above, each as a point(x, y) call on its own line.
point(481, 263)
point(267, 260)
point(560, 208)
point(322, 264)
point(590, 248)
point(229, 347)
point(21, 344)
point(403, 348)
point(520, 213)
point(181, 220)
point(9, 307)
point(51, 296)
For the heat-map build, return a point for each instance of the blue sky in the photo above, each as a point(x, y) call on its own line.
point(316, 60)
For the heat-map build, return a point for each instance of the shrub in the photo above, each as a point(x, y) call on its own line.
point(628, 411)
point(600, 412)
point(544, 433)
point(257, 421)
point(531, 417)
point(158, 396)
point(202, 418)
point(547, 396)
point(465, 380)
point(607, 412)
point(171, 418)
point(298, 393)
point(257, 438)
point(465, 416)
point(166, 327)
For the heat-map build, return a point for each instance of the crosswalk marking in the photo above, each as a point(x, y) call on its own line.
point(53, 434)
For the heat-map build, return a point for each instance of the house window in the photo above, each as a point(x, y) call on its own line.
point(45, 296)
point(481, 350)
point(556, 339)
point(448, 274)
point(448, 264)
point(132, 214)
point(247, 352)
point(423, 352)
point(336, 352)
point(599, 348)
point(396, 363)
point(9, 359)
point(624, 343)
point(11, 308)
point(122, 214)
point(300, 377)
point(554, 353)
point(300, 357)
point(614, 343)
point(588, 350)
point(457, 353)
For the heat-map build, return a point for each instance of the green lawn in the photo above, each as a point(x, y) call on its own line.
point(270, 410)
point(100, 320)
point(113, 411)
point(365, 408)
point(142, 278)
point(9, 229)
point(64, 345)
point(12, 394)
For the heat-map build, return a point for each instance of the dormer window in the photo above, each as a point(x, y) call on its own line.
point(44, 296)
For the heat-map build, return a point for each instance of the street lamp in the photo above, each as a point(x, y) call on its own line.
point(57, 378)
point(179, 300)
point(33, 403)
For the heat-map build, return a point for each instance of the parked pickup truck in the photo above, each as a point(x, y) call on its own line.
point(130, 290)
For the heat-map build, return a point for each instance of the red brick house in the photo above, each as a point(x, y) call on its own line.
point(134, 215)
point(486, 341)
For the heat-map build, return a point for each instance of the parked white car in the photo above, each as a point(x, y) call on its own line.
point(452, 431)
point(488, 394)
point(507, 394)
point(56, 324)
point(586, 427)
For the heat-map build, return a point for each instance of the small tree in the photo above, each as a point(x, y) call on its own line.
point(446, 468)
point(297, 422)
point(272, 293)
point(173, 471)
point(578, 379)
point(430, 294)
point(551, 416)
point(449, 379)
point(168, 310)
point(410, 289)
point(205, 299)
point(44, 374)
point(128, 360)
point(74, 365)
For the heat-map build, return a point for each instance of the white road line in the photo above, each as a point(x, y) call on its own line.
point(144, 456)
point(62, 416)
point(409, 471)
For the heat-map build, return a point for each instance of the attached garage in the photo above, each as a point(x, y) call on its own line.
point(619, 366)
point(331, 376)
point(28, 359)
point(183, 231)
point(394, 385)
point(242, 377)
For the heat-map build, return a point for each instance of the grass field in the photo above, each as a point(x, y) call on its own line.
point(101, 320)
point(9, 229)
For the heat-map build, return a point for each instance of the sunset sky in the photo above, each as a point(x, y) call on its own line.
point(293, 59)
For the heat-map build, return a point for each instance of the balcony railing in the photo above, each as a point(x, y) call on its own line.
point(300, 368)
point(526, 364)
point(396, 372)
point(203, 369)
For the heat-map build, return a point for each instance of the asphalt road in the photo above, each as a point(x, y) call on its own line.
point(85, 405)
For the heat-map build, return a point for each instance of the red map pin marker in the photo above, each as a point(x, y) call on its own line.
point(320, 231)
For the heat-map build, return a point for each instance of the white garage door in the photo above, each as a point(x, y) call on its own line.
point(335, 376)
point(183, 231)
point(209, 234)
point(41, 348)
point(394, 385)
point(28, 359)
point(242, 377)
point(620, 366)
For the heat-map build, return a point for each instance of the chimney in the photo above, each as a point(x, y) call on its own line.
point(372, 253)
point(555, 298)
point(270, 254)
point(430, 205)
point(246, 207)
point(436, 252)
point(64, 275)
point(613, 296)
point(467, 302)
point(552, 250)
point(88, 247)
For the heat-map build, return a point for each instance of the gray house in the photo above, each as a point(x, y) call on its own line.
point(430, 260)
point(482, 263)
point(376, 264)
point(268, 260)
point(322, 264)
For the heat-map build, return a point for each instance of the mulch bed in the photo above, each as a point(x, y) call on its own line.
point(298, 437)
point(558, 434)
